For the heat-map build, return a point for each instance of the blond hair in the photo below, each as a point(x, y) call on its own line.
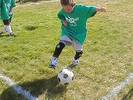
point(67, 2)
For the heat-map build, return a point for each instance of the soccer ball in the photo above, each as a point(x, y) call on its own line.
point(65, 77)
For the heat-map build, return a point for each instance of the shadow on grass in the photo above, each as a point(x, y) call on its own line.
point(30, 27)
point(25, 1)
point(129, 95)
point(47, 87)
point(6, 35)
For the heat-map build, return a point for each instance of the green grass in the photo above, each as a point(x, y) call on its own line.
point(106, 61)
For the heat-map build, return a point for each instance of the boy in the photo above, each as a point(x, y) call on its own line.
point(6, 13)
point(73, 18)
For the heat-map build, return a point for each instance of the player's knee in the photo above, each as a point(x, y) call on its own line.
point(61, 45)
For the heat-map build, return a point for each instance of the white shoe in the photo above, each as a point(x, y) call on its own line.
point(8, 29)
point(54, 62)
point(75, 62)
point(11, 34)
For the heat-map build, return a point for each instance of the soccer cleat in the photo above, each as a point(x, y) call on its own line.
point(4, 31)
point(8, 29)
point(54, 62)
point(1, 33)
point(75, 62)
point(11, 34)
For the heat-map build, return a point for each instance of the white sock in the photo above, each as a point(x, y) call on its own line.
point(4, 30)
point(8, 29)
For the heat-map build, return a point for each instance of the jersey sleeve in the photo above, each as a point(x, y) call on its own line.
point(61, 16)
point(90, 11)
point(13, 3)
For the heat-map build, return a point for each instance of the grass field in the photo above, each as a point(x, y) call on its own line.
point(107, 58)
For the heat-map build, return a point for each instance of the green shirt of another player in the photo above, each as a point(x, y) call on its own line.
point(76, 22)
point(5, 8)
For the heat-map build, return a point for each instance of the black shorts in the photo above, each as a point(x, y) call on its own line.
point(8, 21)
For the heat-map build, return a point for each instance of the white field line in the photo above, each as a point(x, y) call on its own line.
point(37, 3)
point(116, 90)
point(16, 88)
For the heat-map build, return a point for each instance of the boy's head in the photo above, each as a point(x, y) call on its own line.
point(67, 5)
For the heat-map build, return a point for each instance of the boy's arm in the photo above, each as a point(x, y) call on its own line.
point(11, 11)
point(62, 18)
point(89, 11)
point(92, 10)
point(100, 9)
point(13, 4)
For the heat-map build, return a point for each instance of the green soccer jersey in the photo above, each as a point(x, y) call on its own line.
point(76, 22)
point(5, 8)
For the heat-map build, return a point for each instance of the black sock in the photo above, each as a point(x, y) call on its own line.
point(78, 55)
point(58, 49)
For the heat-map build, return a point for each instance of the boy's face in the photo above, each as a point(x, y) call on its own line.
point(68, 8)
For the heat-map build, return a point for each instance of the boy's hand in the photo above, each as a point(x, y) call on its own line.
point(101, 9)
point(11, 12)
point(65, 23)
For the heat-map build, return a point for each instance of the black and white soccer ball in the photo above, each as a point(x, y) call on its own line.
point(65, 77)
